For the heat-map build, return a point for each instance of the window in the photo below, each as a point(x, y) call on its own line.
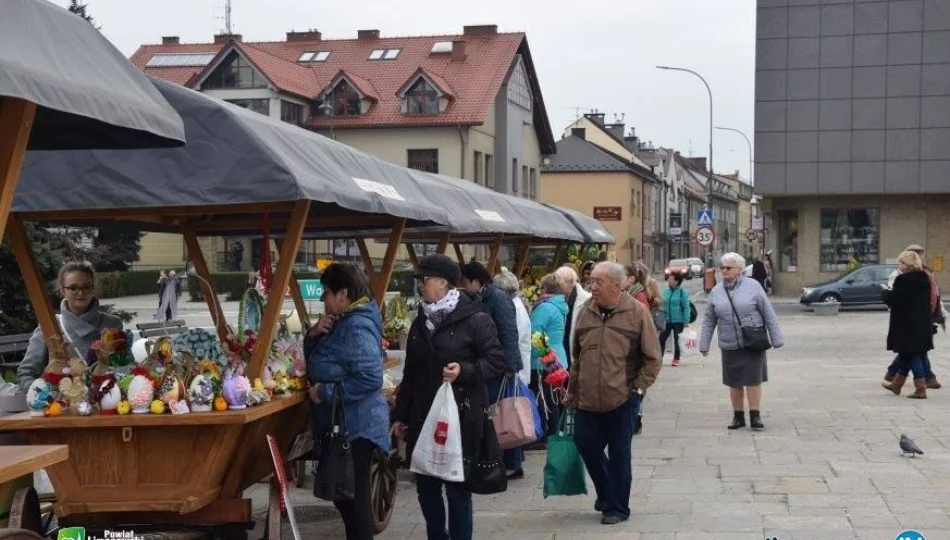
point(234, 72)
point(533, 181)
point(314, 56)
point(479, 167)
point(180, 60)
point(384, 54)
point(489, 171)
point(261, 106)
point(441, 47)
point(345, 100)
point(788, 240)
point(515, 184)
point(849, 238)
point(424, 160)
point(525, 187)
point(422, 98)
point(519, 90)
point(291, 113)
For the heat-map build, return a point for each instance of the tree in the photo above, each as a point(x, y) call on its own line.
point(80, 9)
point(17, 315)
point(117, 246)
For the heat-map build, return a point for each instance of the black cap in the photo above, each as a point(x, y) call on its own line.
point(475, 270)
point(439, 266)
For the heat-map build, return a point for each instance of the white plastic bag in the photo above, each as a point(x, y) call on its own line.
point(689, 343)
point(438, 451)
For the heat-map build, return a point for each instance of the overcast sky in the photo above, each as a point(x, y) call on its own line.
point(594, 54)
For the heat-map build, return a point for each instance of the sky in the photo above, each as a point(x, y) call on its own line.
point(595, 54)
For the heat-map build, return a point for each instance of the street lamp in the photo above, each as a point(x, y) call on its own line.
point(749, 144)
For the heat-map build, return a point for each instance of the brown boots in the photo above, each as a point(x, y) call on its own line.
point(896, 384)
point(920, 389)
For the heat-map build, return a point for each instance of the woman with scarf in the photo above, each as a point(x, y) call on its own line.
point(452, 339)
point(79, 319)
point(344, 354)
point(549, 316)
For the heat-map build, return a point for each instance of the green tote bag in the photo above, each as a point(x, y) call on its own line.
point(564, 472)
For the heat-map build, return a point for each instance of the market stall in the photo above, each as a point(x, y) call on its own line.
point(595, 234)
point(240, 173)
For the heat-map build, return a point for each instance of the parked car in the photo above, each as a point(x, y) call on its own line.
point(696, 266)
point(679, 266)
point(858, 287)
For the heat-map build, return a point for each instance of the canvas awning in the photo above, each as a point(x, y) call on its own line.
point(593, 231)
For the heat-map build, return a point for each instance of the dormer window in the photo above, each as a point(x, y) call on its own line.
point(345, 100)
point(422, 98)
point(384, 54)
point(314, 56)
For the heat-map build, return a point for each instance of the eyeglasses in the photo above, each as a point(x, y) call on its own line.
point(729, 267)
point(76, 289)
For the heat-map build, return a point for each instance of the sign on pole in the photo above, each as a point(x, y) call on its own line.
point(751, 235)
point(757, 223)
point(310, 289)
point(705, 236)
point(704, 217)
point(676, 224)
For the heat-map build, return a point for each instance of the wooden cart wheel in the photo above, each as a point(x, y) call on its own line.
point(25, 511)
point(382, 487)
point(19, 534)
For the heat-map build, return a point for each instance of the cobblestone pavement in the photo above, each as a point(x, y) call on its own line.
point(827, 467)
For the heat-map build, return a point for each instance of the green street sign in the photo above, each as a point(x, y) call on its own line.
point(310, 289)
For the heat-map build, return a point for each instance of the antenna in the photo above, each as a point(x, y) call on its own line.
point(691, 148)
point(227, 17)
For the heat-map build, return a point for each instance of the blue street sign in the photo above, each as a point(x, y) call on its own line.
point(310, 289)
point(704, 217)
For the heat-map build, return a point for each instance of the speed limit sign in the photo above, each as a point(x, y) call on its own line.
point(705, 236)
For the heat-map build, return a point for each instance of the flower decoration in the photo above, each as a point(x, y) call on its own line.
point(554, 373)
point(240, 348)
point(201, 344)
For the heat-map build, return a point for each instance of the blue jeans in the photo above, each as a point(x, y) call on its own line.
point(612, 476)
point(895, 366)
point(908, 363)
point(461, 511)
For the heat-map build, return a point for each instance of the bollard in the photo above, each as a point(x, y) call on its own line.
point(709, 280)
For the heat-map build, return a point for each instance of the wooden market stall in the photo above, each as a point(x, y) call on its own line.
point(264, 174)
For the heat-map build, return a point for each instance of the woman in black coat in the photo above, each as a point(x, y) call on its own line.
point(910, 333)
point(454, 339)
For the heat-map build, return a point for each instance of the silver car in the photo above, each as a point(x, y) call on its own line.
point(696, 266)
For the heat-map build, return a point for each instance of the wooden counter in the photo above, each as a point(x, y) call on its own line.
point(17, 461)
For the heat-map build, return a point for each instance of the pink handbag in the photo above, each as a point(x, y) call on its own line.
point(512, 418)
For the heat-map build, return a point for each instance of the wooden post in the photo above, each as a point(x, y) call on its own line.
point(381, 283)
point(275, 298)
point(295, 293)
point(458, 253)
point(493, 257)
point(35, 285)
point(412, 256)
point(205, 283)
point(367, 260)
point(16, 122)
point(521, 257)
point(558, 256)
point(443, 244)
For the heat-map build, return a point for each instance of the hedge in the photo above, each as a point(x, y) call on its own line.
point(131, 283)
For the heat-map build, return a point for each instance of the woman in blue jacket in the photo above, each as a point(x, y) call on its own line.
point(549, 315)
point(344, 352)
point(676, 300)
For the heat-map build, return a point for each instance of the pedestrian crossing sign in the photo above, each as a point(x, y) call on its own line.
point(704, 217)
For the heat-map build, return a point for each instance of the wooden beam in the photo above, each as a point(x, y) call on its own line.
point(443, 244)
point(412, 256)
point(558, 256)
point(16, 122)
point(275, 298)
point(206, 282)
point(32, 277)
point(495, 252)
point(381, 283)
point(458, 253)
point(295, 293)
point(367, 260)
point(521, 257)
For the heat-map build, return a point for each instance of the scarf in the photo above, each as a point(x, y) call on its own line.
point(542, 299)
point(437, 312)
point(357, 304)
point(635, 289)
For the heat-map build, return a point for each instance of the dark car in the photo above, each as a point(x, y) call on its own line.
point(858, 287)
point(679, 266)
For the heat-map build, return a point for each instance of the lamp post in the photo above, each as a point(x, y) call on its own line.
point(748, 144)
point(709, 177)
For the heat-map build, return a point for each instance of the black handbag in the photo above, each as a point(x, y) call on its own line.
point(754, 338)
point(483, 465)
point(335, 479)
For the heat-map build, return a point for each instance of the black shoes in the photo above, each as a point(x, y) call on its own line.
point(738, 420)
point(755, 420)
point(598, 506)
point(612, 520)
point(516, 475)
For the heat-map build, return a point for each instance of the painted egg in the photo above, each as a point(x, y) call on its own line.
point(140, 394)
point(38, 397)
point(201, 393)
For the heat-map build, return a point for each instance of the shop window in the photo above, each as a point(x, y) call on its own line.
point(788, 240)
point(849, 238)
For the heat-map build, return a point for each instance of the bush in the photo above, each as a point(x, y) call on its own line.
point(131, 283)
point(234, 284)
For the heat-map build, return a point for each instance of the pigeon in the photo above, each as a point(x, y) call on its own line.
point(908, 446)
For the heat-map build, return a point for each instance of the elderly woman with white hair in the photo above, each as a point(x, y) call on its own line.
point(741, 311)
point(575, 296)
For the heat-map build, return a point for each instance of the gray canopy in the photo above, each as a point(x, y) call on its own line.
point(594, 232)
point(233, 156)
point(88, 95)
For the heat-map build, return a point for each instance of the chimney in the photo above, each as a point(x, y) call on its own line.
point(616, 130)
point(170, 40)
point(309, 35)
point(224, 38)
point(458, 51)
point(597, 118)
point(580, 133)
point(480, 30)
point(367, 34)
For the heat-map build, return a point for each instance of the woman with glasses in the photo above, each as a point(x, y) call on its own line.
point(79, 319)
point(732, 304)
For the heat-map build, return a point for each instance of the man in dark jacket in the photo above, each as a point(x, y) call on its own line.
point(477, 279)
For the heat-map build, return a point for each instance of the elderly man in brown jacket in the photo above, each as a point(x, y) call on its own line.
point(616, 357)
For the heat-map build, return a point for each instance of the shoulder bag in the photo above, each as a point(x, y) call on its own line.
point(754, 338)
point(484, 469)
point(335, 479)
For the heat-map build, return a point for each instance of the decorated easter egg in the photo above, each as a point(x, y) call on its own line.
point(201, 393)
point(84, 408)
point(38, 397)
point(171, 388)
point(111, 396)
point(235, 390)
point(140, 394)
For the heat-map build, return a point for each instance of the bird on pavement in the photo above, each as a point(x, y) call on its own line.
point(908, 446)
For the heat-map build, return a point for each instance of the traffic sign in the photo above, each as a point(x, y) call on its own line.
point(751, 235)
point(704, 217)
point(310, 289)
point(705, 236)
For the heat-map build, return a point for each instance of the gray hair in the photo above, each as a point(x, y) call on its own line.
point(567, 275)
point(734, 259)
point(616, 271)
point(507, 282)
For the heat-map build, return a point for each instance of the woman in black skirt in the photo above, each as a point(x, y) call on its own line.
point(732, 304)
